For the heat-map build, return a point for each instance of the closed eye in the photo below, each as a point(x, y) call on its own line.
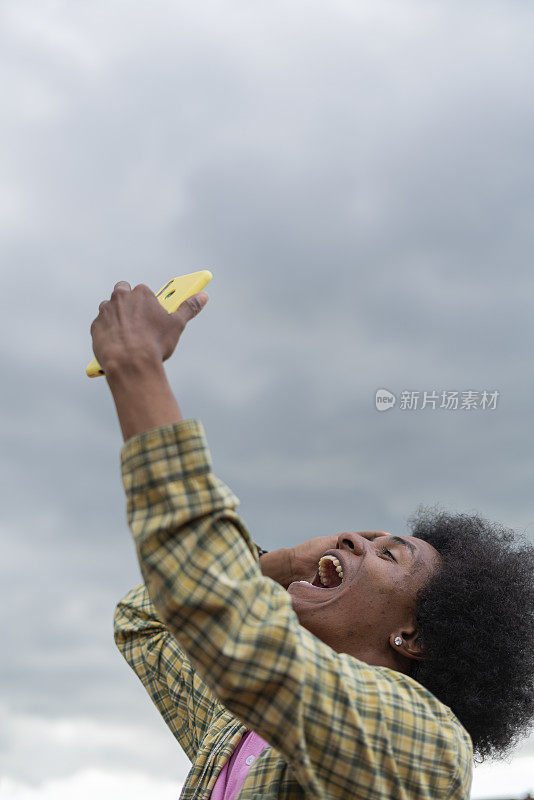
point(390, 554)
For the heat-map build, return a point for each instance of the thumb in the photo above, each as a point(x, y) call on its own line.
point(191, 307)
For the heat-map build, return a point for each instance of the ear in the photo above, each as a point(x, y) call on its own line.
point(411, 645)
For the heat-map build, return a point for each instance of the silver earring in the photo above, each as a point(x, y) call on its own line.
point(398, 640)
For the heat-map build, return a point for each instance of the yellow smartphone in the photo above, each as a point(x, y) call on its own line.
point(170, 296)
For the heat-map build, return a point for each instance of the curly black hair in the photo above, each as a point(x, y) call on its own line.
point(476, 624)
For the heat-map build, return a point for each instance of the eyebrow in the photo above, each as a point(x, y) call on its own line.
point(404, 542)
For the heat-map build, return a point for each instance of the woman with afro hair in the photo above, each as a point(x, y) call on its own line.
point(356, 665)
point(361, 665)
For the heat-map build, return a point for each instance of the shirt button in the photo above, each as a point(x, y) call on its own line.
point(250, 760)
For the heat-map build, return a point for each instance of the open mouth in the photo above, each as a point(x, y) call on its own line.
point(329, 574)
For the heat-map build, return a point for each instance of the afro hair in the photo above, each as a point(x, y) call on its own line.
point(476, 624)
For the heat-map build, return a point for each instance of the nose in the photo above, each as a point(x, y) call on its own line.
point(352, 541)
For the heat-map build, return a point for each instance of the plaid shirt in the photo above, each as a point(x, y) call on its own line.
point(221, 651)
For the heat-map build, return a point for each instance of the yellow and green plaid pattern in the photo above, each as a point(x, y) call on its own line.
point(220, 650)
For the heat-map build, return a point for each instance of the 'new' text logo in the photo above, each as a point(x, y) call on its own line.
point(384, 400)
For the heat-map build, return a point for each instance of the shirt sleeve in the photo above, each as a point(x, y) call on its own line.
point(184, 701)
point(344, 726)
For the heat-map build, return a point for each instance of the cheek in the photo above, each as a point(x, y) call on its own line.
point(378, 600)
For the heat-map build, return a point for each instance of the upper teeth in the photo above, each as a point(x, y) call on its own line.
point(322, 568)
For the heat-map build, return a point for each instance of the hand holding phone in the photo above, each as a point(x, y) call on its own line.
point(170, 296)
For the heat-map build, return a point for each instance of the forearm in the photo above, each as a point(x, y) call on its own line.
point(279, 566)
point(142, 394)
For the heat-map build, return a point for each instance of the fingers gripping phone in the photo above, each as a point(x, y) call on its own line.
point(170, 296)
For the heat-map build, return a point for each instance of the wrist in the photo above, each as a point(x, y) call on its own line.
point(120, 367)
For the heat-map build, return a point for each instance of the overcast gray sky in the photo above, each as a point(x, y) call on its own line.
point(358, 177)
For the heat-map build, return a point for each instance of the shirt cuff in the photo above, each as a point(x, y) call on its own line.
point(185, 441)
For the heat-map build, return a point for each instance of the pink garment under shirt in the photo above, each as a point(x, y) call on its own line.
point(234, 772)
